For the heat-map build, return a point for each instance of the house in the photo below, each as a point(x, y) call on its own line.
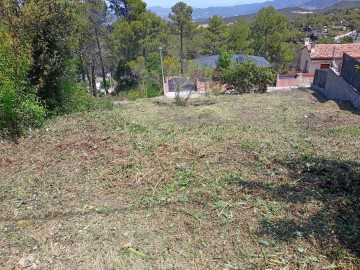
point(323, 56)
point(211, 61)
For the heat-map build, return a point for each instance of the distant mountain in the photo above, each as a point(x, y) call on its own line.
point(205, 13)
point(344, 5)
point(160, 11)
point(288, 12)
point(316, 4)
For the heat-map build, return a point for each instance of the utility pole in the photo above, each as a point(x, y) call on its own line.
point(162, 71)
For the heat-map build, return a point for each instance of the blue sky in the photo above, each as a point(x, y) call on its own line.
point(200, 3)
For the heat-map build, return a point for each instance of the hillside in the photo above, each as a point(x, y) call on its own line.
point(295, 11)
point(288, 12)
point(345, 5)
point(266, 181)
point(200, 14)
point(315, 4)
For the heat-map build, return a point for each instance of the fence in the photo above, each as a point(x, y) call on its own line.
point(337, 88)
point(349, 73)
point(320, 77)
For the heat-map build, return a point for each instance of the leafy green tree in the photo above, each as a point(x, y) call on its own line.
point(238, 38)
point(196, 43)
point(225, 59)
point(129, 9)
point(86, 45)
point(48, 26)
point(356, 24)
point(246, 77)
point(270, 32)
point(96, 11)
point(171, 66)
point(147, 72)
point(138, 69)
point(295, 36)
point(155, 32)
point(153, 67)
point(347, 40)
point(215, 34)
point(19, 106)
point(135, 36)
point(182, 22)
point(327, 40)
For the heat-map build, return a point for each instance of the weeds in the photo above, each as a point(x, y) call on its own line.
point(215, 185)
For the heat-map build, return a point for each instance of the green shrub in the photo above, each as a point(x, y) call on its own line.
point(135, 94)
point(18, 111)
point(32, 114)
point(19, 106)
point(75, 97)
point(104, 103)
point(246, 77)
point(153, 91)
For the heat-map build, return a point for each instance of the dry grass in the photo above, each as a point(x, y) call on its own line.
point(238, 182)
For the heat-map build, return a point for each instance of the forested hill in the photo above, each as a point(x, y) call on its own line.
point(246, 9)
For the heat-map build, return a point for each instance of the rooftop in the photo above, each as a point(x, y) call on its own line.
point(329, 51)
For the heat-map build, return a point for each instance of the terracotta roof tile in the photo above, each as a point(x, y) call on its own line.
point(325, 51)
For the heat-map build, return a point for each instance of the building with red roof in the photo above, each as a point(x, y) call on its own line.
point(322, 56)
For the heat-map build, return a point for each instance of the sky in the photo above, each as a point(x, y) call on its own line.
point(199, 3)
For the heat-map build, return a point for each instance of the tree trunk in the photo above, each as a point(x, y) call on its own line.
point(181, 50)
point(89, 80)
point(83, 69)
point(89, 76)
point(101, 60)
point(93, 78)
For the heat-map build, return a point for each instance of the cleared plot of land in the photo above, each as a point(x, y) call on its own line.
point(238, 182)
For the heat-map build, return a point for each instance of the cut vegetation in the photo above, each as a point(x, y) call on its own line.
point(256, 181)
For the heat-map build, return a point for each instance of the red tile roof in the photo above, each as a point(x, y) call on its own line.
point(326, 51)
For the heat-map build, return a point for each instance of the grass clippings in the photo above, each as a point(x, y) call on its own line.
point(265, 181)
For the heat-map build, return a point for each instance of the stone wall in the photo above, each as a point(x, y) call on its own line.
point(337, 88)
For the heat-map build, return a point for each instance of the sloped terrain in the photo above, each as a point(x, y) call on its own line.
point(265, 181)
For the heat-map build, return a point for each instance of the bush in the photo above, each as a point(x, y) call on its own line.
point(18, 111)
point(104, 103)
point(246, 77)
point(32, 114)
point(134, 94)
point(19, 106)
point(76, 98)
point(153, 91)
point(137, 93)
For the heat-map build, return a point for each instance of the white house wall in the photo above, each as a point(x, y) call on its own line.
point(305, 56)
point(312, 65)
